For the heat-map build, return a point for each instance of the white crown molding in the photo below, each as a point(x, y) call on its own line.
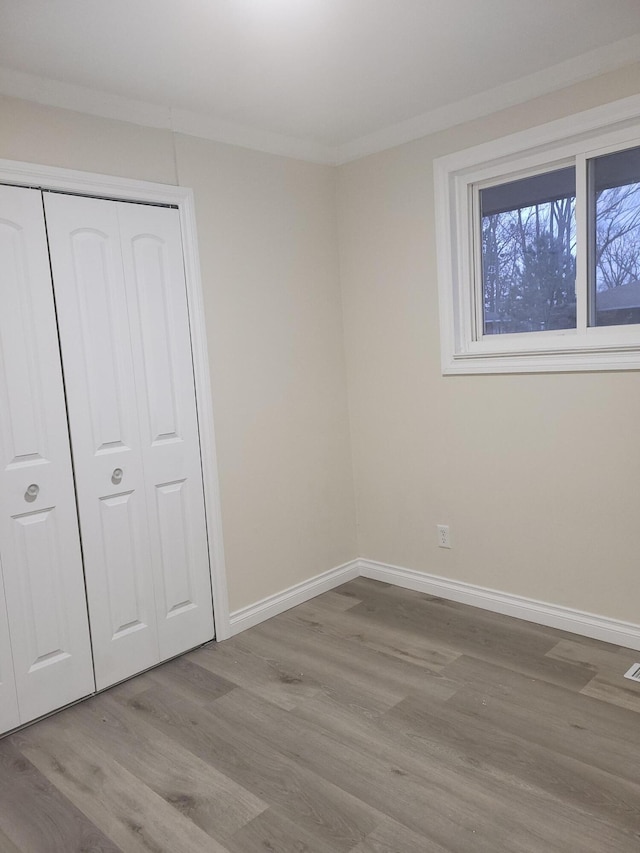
point(614, 631)
point(598, 61)
point(208, 127)
point(262, 610)
point(81, 99)
point(42, 90)
point(53, 93)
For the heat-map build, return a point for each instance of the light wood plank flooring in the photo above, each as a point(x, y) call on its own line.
point(371, 719)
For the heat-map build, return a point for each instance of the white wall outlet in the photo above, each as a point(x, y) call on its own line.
point(444, 536)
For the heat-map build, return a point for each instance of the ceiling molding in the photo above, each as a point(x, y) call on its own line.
point(209, 127)
point(53, 93)
point(82, 99)
point(583, 67)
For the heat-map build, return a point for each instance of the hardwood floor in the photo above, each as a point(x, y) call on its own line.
point(369, 720)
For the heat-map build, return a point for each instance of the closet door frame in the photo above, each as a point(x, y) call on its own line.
point(125, 189)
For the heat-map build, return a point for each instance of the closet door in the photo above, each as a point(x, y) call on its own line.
point(157, 300)
point(86, 261)
point(121, 299)
point(39, 542)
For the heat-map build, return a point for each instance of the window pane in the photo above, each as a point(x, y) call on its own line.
point(528, 254)
point(615, 253)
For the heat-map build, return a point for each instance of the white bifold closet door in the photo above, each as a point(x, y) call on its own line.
point(45, 651)
point(124, 330)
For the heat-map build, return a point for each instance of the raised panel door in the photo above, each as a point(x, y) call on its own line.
point(158, 314)
point(39, 541)
point(103, 396)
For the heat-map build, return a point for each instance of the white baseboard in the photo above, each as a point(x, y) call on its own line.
point(614, 631)
point(575, 621)
point(252, 615)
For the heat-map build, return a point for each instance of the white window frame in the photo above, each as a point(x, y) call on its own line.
point(457, 180)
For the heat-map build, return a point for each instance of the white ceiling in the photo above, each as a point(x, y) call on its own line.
point(323, 79)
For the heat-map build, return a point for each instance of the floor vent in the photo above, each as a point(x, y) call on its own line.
point(634, 672)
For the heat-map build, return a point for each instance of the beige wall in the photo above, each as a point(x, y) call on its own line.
point(37, 134)
point(538, 475)
point(268, 247)
point(268, 251)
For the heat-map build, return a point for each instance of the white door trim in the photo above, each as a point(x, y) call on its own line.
point(126, 189)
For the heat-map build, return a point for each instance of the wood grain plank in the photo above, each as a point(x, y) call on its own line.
point(36, 817)
point(296, 650)
point(194, 787)
point(566, 792)
point(430, 798)
point(594, 732)
point(7, 845)
point(275, 832)
point(264, 677)
point(197, 682)
point(491, 637)
point(320, 807)
point(392, 837)
point(610, 664)
point(398, 642)
point(334, 601)
point(386, 677)
point(128, 812)
point(615, 690)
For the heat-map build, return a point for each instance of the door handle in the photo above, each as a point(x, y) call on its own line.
point(116, 477)
point(32, 492)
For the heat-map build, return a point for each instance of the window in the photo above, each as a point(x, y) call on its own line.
point(614, 257)
point(528, 236)
point(538, 239)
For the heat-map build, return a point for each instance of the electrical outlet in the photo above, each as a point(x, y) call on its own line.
point(444, 536)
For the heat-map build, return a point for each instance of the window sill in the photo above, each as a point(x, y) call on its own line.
point(547, 361)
